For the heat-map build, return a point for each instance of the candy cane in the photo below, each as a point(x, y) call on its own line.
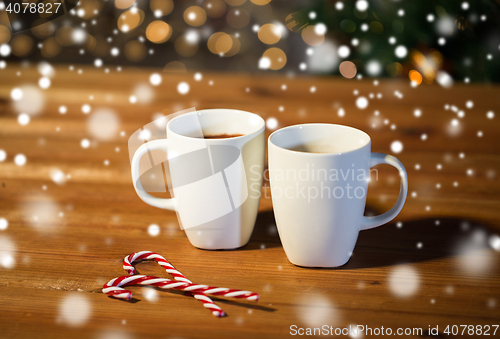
point(113, 289)
point(178, 276)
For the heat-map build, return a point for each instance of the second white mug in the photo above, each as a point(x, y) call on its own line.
point(319, 177)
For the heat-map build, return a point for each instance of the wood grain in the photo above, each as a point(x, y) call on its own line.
point(102, 219)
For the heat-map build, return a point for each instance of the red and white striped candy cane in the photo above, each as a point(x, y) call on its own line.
point(113, 289)
point(178, 276)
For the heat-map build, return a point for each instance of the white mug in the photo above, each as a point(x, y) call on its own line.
point(211, 179)
point(319, 177)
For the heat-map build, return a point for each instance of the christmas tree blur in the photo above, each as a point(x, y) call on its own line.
point(426, 41)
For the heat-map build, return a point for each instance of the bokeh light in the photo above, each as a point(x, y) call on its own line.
point(348, 69)
point(158, 31)
point(42, 213)
point(50, 48)
point(195, 16)
point(57, 176)
point(4, 223)
point(444, 79)
point(143, 94)
point(20, 159)
point(22, 45)
point(134, 51)
point(475, 256)
point(64, 36)
point(163, 7)
point(124, 4)
point(150, 294)
point(277, 58)
point(183, 88)
point(215, 8)
point(175, 67)
point(103, 124)
point(7, 252)
point(311, 37)
point(415, 77)
point(130, 19)
point(238, 18)
point(75, 310)
point(362, 102)
point(269, 34)
point(31, 102)
point(404, 281)
point(43, 29)
point(153, 230)
point(4, 35)
point(316, 309)
point(223, 44)
point(323, 58)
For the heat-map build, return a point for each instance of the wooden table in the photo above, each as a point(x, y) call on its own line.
point(436, 268)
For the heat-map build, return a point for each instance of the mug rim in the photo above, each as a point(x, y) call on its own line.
point(260, 128)
point(271, 142)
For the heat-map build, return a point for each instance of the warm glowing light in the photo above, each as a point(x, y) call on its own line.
point(260, 2)
point(427, 65)
point(42, 28)
point(64, 36)
point(134, 51)
point(22, 45)
point(50, 48)
point(124, 4)
point(348, 69)
point(158, 31)
point(212, 41)
point(223, 44)
point(415, 77)
point(164, 7)
point(311, 37)
point(129, 20)
point(195, 16)
point(175, 67)
point(269, 34)
point(214, 8)
point(87, 9)
point(4, 35)
point(276, 57)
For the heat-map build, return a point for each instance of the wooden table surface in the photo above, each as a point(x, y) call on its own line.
point(435, 264)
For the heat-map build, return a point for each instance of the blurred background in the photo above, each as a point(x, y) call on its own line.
point(431, 41)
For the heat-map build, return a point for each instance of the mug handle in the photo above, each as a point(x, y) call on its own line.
point(378, 220)
point(167, 204)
